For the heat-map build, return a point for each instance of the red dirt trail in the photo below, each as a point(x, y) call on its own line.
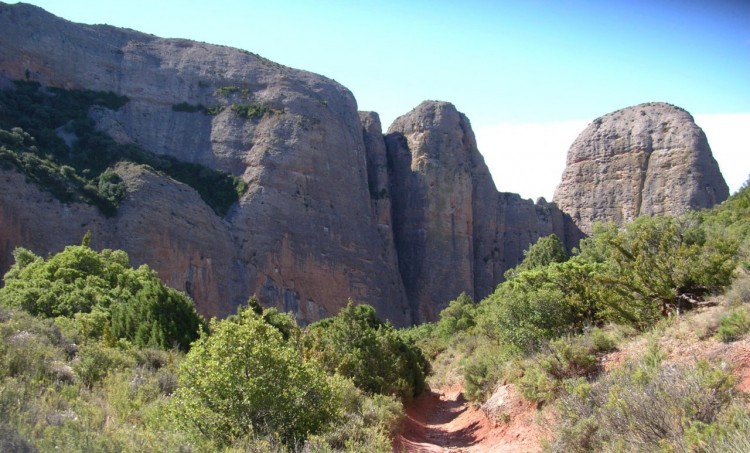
point(444, 421)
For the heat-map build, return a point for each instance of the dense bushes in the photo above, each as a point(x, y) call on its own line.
point(47, 135)
point(241, 388)
point(647, 405)
point(245, 379)
point(103, 295)
point(358, 345)
point(652, 268)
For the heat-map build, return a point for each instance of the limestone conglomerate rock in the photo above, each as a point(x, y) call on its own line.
point(303, 238)
point(164, 222)
point(642, 160)
point(334, 210)
point(454, 232)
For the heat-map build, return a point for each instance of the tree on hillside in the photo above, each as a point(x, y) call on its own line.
point(545, 251)
point(104, 294)
point(659, 265)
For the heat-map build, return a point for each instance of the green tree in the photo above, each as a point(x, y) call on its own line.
point(659, 265)
point(458, 316)
point(104, 294)
point(545, 251)
point(244, 379)
point(357, 344)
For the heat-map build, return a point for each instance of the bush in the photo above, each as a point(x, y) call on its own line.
point(484, 368)
point(525, 313)
point(244, 379)
point(366, 423)
point(250, 111)
point(547, 374)
point(96, 361)
point(651, 405)
point(545, 251)
point(458, 316)
point(657, 266)
point(733, 325)
point(104, 295)
point(358, 345)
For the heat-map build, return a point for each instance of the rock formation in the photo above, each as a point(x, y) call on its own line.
point(304, 237)
point(454, 232)
point(642, 160)
point(335, 209)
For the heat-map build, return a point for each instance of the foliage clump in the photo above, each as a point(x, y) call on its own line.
point(46, 134)
point(244, 378)
point(654, 405)
point(103, 295)
point(357, 344)
point(250, 111)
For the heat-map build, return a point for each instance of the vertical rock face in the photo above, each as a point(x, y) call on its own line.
point(433, 204)
point(303, 238)
point(453, 231)
point(642, 160)
point(161, 223)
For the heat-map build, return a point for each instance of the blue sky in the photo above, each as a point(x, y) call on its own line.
point(528, 74)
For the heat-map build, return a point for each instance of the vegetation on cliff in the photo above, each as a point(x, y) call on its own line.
point(46, 134)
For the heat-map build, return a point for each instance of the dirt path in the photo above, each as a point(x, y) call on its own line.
point(444, 421)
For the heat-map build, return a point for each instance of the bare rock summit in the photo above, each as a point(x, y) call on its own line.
point(642, 160)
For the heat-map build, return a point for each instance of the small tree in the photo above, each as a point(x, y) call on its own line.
point(86, 285)
point(357, 344)
point(545, 251)
point(659, 265)
point(244, 379)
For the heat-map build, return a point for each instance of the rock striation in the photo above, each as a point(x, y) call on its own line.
point(642, 160)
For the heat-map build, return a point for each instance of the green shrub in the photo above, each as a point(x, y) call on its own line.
point(602, 341)
point(250, 111)
point(733, 325)
point(484, 368)
point(547, 374)
point(366, 423)
point(245, 379)
point(542, 253)
point(96, 361)
point(357, 344)
point(106, 297)
point(656, 407)
point(525, 314)
point(657, 266)
point(458, 316)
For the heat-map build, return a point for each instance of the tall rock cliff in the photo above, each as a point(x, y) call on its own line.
point(642, 160)
point(454, 232)
point(334, 209)
point(304, 238)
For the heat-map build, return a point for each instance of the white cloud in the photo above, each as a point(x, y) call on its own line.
point(729, 137)
point(529, 158)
